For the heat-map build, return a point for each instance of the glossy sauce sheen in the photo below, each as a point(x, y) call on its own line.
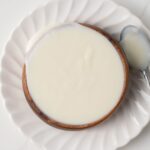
point(74, 75)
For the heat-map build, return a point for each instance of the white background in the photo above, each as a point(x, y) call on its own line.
point(11, 12)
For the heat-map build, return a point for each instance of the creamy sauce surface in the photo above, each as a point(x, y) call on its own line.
point(74, 74)
point(136, 47)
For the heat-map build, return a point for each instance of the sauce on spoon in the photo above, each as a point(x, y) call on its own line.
point(136, 46)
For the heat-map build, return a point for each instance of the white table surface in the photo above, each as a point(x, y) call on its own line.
point(11, 12)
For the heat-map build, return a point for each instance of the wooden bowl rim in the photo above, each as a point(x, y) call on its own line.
point(61, 125)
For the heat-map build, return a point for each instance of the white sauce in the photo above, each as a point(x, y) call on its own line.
point(75, 75)
point(136, 46)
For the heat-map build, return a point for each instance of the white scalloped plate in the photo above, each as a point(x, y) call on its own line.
point(124, 125)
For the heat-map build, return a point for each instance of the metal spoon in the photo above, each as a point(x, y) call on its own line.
point(136, 46)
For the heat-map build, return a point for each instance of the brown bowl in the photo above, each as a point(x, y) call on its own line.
point(57, 124)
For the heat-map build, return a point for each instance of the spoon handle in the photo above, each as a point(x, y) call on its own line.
point(146, 74)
